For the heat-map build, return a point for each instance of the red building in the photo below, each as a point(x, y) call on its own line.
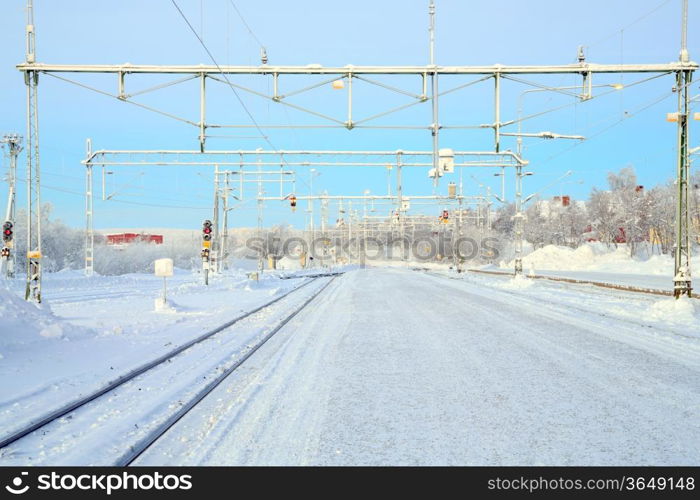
point(128, 238)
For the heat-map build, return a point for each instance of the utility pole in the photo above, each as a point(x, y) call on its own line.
point(261, 257)
point(224, 235)
point(518, 217)
point(434, 88)
point(215, 243)
point(31, 80)
point(349, 223)
point(89, 225)
point(14, 147)
point(399, 194)
point(681, 271)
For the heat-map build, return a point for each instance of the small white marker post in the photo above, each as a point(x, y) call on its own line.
point(164, 268)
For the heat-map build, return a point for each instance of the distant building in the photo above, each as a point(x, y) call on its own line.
point(557, 205)
point(129, 238)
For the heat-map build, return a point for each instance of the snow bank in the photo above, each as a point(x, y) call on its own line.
point(25, 322)
point(593, 257)
point(679, 311)
point(515, 283)
point(289, 264)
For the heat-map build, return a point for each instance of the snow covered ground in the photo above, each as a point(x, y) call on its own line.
point(597, 262)
point(386, 366)
point(90, 330)
point(400, 367)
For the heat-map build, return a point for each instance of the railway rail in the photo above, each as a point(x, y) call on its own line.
point(146, 441)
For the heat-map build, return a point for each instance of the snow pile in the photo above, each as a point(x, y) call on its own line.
point(25, 322)
point(516, 283)
point(593, 257)
point(287, 263)
point(163, 305)
point(679, 311)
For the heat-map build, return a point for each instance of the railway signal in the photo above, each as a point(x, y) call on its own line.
point(445, 216)
point(206, 246)
point(206, 230)
point(7, 232)
point(293, 203)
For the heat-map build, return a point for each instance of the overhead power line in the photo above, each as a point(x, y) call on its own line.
point(223, 75)
point(250, 31)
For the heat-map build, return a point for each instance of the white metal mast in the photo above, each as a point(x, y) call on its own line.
point(681, 271)
point(435, 95)
point(31, 79)
point(89, 211)
point(14, 146)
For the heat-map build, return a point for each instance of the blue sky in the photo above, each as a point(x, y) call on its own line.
point(625, 127)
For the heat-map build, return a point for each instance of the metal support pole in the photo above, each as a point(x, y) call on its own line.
point(681, 272)
point(349, 223)
point(263, 254)
point(455, 248)
point(684, 56)
point(202, 111)
point(89, 231)
point(497, 109)
point(434, 88)
point(435, 129)
point(503, 183)
point(349, 123)
point(487, 202)
point(89, 227)
point(33, 288)
point(399, 194)
point(224, 235)
point(518, 219)
point(215, 244)
point(312, 224)
point(14, 146)
point(431, 30)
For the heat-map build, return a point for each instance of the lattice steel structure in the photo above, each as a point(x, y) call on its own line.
point(274, 75)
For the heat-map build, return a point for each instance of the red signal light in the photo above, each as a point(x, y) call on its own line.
point(7, 231)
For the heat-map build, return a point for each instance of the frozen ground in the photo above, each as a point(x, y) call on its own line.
point(399, 367)
point(597, 262)
point(386, 366)
point(89, 330)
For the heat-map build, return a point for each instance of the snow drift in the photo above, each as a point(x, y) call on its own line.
point(25, 322)
point(593, 257)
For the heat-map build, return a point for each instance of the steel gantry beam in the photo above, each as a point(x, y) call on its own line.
point(265, 158)
point(583, 68)
point(300, 158)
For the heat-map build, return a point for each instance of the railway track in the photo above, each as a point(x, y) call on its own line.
point(221, 370)
point(574, 281)
point(552, 306)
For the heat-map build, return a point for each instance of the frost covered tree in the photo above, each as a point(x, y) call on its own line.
point(62, 246)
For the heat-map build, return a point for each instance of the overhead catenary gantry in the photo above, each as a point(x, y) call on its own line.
point(274, 75)
point(284, 159)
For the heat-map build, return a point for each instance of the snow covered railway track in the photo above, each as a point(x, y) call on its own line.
point(144, 444)
point(38, 427)
point(669, 341)
point(73, 297)
point(575, 281)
